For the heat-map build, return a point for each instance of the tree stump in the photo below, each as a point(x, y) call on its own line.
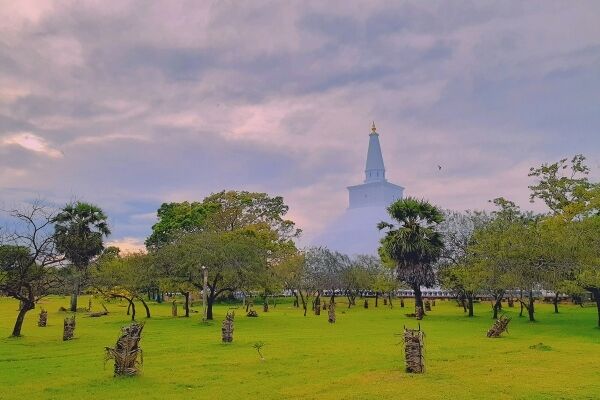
point(227, 328)
point(419, 312)
point(69, 328)
point(90, 304)
point(331, 313)
point(499, 326)
point(174, 309)
point(433, 303)
point(43, 318)
point(511, 302)
point(127, 350)
point(402, 303)
point(414, 353)
point(366, 305)
point(384, 301)
point(427, 305)
point(317, 307)
point(266, 307)
point(252, 313)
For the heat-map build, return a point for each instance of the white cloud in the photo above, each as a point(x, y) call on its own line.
point(33, 143)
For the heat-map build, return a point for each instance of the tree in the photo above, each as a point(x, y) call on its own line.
point(414, 244)
point(27, 260)
point(178, 218)
point(126, 277)
point(233, 259)
point(79, 232)
point(457, 270)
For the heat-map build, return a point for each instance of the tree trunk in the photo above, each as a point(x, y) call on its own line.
point(555, 301)
point(418, 297)
point(209, 307)
point(25, 307)
point(596, 293)
point(470, 301)
point(187, 304)
point(531, 309)
point(129, 308)
point(296, 301)
point(145, 306)
point(75, 293)
point(303, 302)
point(390, 300)
point(376, 298)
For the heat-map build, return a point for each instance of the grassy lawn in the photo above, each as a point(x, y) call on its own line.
point(306, 358)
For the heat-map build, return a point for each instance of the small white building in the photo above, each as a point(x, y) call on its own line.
point(355, 232)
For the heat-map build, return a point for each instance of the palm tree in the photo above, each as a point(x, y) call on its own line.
point(78, 233)
point(414, 244)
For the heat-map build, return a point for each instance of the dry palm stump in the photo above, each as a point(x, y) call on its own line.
point(69, 328)
point(252, 313)
point(174, 309)
point(427, 305)
point(414, 351)
point(331, 313)
point(227, 328)
point(501, 325)
point(43, 319)
point(127, 350)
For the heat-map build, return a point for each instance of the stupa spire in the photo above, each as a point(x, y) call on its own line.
point(375, 170)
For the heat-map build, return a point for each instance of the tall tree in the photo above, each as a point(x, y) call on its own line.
point(457, 270)
point(27, 259)
point(414, 244)
point(79, 232)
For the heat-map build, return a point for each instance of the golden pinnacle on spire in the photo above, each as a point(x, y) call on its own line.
point(373, 129)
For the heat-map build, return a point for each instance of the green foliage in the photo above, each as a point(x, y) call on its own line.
point(560, 184)
point(415, 244)
point(177, 218)
point(79, 231)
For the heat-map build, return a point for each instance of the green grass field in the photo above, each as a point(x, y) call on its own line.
point(305, 357)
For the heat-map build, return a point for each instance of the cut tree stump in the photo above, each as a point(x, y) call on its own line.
point(427, 305)
point(227, 328)
point(501, 325)
point(43, 318)
point(331, 313)
point(366, 305)
point(414, 350)
point(69, 328)
point(127, 350)
point(402, 303)
point(252, 313)
point(324, 306)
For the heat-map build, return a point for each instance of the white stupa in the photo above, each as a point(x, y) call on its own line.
point(355, 232)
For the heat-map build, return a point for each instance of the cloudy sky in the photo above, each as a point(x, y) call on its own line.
point(131, 104)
